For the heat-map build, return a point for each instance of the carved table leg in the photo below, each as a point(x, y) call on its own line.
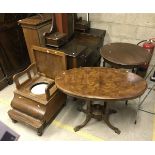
point(88, 117)
point(105, 117)
point(40, 131)
point(98, 112)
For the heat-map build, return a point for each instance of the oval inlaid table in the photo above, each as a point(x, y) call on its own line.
point(100, 83)
point(124, 55)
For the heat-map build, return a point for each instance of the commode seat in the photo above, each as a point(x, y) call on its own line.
point(34, 107)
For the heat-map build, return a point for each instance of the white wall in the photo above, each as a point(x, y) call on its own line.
point(124, 27)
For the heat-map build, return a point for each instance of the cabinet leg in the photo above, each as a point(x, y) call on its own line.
point(40, 131)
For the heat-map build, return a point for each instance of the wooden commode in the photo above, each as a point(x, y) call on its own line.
point(33, 106)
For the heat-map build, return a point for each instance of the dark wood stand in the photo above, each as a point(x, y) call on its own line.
point(99, 112)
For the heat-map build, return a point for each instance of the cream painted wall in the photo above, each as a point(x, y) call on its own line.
point(124, 27)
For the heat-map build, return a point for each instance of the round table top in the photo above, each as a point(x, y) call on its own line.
point(100, 83)
point(125, 54)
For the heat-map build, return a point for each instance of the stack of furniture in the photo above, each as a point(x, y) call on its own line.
point(82, 48)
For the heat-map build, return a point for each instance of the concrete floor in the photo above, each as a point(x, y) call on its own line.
point(62, 127)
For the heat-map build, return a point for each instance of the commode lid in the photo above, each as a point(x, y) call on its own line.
point(39, 88)
point(49, 62)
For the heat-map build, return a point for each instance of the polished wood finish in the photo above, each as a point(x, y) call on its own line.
point(56, 39)
point(83, 49)
point(124, 55)
point(99, 83)
point(34, 29)
point(39, 110)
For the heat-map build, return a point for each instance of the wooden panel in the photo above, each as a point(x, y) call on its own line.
point(46, 58)
point(34, 28)
point(31, 38)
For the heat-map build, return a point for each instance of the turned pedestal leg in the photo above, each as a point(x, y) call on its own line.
point(105, 117)
point(88, 117)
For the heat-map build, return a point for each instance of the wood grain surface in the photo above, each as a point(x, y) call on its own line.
point(101, 83)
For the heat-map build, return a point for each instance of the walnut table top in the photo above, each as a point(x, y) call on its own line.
point(101, 83)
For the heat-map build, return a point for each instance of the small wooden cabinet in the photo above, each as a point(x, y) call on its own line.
point(34, 28)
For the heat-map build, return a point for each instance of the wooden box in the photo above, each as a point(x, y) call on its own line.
point(38, 110)
point(56, 39)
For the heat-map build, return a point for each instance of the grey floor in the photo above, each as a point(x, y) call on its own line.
point(62, 127)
